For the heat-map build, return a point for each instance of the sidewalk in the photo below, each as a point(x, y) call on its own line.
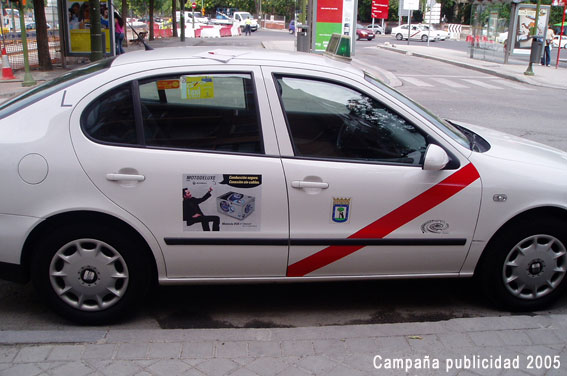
point(512, 345)
point(544, 76)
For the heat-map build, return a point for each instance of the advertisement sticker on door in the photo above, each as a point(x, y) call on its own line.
point(227, 202)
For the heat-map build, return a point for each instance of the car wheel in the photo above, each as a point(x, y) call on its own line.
point(399, 36)
point(526, 265)
point(424, 38)
point(90, 274)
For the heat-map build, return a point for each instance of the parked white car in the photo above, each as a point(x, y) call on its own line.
point(192, 165)
point(437, 34)
point(555, 42)
point(416, 33)
point(377, 29)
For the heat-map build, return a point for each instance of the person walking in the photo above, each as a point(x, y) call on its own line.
point(118, 33)
point(546, 58)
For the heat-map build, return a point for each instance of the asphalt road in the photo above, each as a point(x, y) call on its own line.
point(530, 112)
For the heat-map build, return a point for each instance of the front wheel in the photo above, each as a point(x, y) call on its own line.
point(424, 38)
point(525, 265)
point(90, 274)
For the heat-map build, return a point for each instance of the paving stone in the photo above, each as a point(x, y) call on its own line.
point(76, 368)
point(33, 354)
point(293, 371)
point(425, 342)
point(198, 350)
point(217, 366)
point(455, 340)
point(169, 367)
point(132, 350)
point(331, 348)
point(342, 370)
point(105, 351)
point(231, 349)
point(515, 338)
point(120, 368)
point(260, 348)
point(165, 350)
point(7, 354)
point(543, 336)
point(360, 345)
point(317, 364)
point(392, 345)
point(243, 372)
point(486, 338)
point(267, 366)
point(66, 352)
point(22, 370)
point(299, 348)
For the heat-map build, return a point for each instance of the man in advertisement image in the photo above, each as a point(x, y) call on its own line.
point(192, 212)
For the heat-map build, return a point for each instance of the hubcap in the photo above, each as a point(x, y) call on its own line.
point(88, 274)
point(535, 267)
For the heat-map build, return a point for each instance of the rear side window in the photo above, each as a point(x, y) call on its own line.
point(212, 112)
point(110, 118)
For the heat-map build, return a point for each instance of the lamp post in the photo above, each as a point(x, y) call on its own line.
point(28, 79)
point(529, 71)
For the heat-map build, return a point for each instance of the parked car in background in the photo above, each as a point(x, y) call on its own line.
point(31, 26)
point(563, 41)
point(417, 33)
point(364, 33)
point(377, 29)
point(434, 33)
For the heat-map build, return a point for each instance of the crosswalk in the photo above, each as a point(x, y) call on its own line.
point(461, 82)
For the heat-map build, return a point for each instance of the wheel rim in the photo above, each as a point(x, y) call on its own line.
point(89, 275)
point(535, 267)
point(399, 36)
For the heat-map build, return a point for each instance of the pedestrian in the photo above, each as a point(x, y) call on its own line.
point(118, 33)
point(247, 27)
point(546, 58)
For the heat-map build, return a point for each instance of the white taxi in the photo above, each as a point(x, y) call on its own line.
point(183, 166)
point(415, 32)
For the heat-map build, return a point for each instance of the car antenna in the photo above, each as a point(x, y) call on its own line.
point(147, 47)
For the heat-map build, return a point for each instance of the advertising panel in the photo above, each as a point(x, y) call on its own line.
point(333, 17)
point(77, 24)
point(525, 21)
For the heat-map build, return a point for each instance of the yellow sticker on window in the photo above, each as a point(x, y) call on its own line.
point(197, 87)
point(167, 84)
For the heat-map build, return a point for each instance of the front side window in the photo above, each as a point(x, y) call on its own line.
point(328, 120)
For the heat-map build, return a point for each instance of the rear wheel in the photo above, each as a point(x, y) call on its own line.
point(526, 265)
point(399, 36)
point(90, 274)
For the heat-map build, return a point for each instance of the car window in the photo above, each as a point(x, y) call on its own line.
point(330, 120)
point(110, 117)
point(207, 112)
point(215, 112)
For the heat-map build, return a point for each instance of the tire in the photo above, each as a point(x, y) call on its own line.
point(424, 38)
point(90, 274)
point(524, 267)
point(399, 36)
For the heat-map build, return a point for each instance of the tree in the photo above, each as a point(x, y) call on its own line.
point(174, 17)
point(124, 16)
point(42, 37)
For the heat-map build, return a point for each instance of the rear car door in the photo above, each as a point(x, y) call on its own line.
point(360, 201)
point(191, 153)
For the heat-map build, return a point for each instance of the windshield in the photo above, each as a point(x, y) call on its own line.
point(443, 125)
point(39, 92)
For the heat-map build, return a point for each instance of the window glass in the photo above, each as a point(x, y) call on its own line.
point(204, 112)
point(327, 120)
point(110, 118)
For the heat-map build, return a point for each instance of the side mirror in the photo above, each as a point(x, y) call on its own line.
point(436, 158)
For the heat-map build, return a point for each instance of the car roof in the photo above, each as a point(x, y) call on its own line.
point(194, 55)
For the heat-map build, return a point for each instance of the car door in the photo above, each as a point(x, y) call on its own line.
point(191, 153)
point(360, 201)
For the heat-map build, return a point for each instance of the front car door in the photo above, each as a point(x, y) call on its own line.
point(360, 201)
point(191, 153)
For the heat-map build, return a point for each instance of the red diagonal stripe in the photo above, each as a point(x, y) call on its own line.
point(390, 222)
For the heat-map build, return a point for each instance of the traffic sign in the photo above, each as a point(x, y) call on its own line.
point(379, 9)
point(194, 5)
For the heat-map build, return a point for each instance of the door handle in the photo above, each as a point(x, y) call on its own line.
point(125, 177)
point(309, 184)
